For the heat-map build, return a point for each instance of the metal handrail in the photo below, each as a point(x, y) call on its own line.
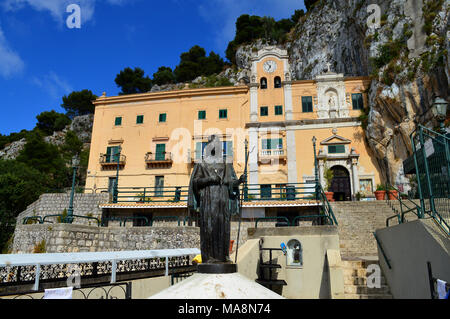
point(135, 218)
point(152, 157)
point(165, 218)
point(37, 218)
point(294, 222)
point(272, 218)
point(112, 159)
point(326, 205)
point(382, 251)
point(401, 216)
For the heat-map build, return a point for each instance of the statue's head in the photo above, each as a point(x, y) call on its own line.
point(213, 150)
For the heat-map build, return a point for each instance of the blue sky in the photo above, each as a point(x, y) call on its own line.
point(41, 59)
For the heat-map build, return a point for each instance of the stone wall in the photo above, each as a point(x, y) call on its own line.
point(52, 204)
point(61, 238)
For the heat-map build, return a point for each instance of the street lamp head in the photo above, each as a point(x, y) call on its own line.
point(440, 108)
point(314, 139)
point(75, 161)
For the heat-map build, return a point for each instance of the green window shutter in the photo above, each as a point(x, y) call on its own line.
point(228, 148)
point(266, 191)
point(264, 111)
point(118, 121)
point(307, 106)
point(223, 114)
point(162, 117)
point(278, 110)
point(201, 115)
point(198, 150)
point(140, 119)
point(280, 144)
point(357, 101)
point(266, 144)
point(336, 149)
point(111, 154)
point(160, 152)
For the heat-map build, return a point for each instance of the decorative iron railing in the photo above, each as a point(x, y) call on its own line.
point(431, 157)
point(111, 159)
point(158, 157)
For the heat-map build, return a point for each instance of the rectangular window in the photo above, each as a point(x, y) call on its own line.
point(200, 149)
point(111, 154)
point(162, 117)
point(263, 111)
point(278, 110)
point(159, 186)
point(272, 144)
point(307, 105)
point(357, 101)
point(118, 121)
point(336, 149)
point(266, 191)
point(140, 119)
point(160, 152)
point(201, 115)
point(223, 114)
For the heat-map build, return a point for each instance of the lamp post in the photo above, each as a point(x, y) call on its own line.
point(316, 176)
point(116, 183)
point(75, 165)
point(439, 110)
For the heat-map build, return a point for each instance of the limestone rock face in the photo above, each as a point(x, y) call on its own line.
point(81, 126)
point(411, 66)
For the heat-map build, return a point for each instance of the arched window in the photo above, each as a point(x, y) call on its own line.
point(277, 82)
point(263, 83)
point(294, 253)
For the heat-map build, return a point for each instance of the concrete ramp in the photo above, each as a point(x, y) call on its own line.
point(408, 247)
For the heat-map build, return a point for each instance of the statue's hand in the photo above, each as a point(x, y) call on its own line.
point(243, 179)
point(215, 180)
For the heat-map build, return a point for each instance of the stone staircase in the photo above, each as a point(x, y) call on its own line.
point(357, 221)
point(355, 280)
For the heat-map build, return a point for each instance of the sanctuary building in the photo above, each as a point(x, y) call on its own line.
point(161, 135)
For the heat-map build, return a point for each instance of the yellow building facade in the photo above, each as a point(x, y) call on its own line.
point(162, 134)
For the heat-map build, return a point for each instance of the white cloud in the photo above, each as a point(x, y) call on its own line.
point(57, 8)
point(10, 61)
point(53, 85)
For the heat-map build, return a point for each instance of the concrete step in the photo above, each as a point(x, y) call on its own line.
point(364, 290)
point(360, 281)
point(358, 296)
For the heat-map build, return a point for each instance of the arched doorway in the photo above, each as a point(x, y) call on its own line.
point(340, 185)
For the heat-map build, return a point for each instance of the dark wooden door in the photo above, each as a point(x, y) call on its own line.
point(340, 185)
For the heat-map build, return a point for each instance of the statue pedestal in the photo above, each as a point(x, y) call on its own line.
point(220, 268)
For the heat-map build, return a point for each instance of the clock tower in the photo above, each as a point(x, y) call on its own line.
point(271, 102)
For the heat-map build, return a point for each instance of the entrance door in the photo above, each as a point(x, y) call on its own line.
point(340, 185)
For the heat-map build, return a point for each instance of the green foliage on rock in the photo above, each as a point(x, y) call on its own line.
point(79, 103)
point(49, 122)
point(133, 81)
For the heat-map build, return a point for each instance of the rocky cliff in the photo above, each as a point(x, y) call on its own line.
point(403, 46)
point(80, 125)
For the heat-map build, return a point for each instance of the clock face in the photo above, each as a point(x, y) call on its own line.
point(270, 66)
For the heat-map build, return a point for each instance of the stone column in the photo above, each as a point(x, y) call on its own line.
point(253, 102)
point(253, 157)
point(291, 156)
point(355, 176)
point(288, 108)
point(321, 172)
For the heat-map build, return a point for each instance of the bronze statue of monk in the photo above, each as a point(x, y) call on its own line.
point(214, 194)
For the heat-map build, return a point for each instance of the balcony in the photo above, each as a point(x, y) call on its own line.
point(195, 158)
point(270, 156)
point(109, 162)
point(158, 159)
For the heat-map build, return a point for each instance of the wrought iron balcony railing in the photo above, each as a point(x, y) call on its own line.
point(162, 157)
point(271, 155)
point(108, 159)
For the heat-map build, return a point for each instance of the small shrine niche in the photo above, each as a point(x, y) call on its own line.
point(294, 255)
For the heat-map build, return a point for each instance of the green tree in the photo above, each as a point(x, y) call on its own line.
point(47, 159)
point(20, 186)
point(309, 4)
point(195, 63)
point(49, 122)
point(133, 81)
point(79, 103)
point(297, 15)
point(164, 75)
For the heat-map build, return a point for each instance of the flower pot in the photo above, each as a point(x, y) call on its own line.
point(392, 195)
point(329, 196)
point(231, 245)
point(380, 195)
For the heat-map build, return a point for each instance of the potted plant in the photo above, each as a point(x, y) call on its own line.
point(328, 175)
point(380, 193)
point(392, 193)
